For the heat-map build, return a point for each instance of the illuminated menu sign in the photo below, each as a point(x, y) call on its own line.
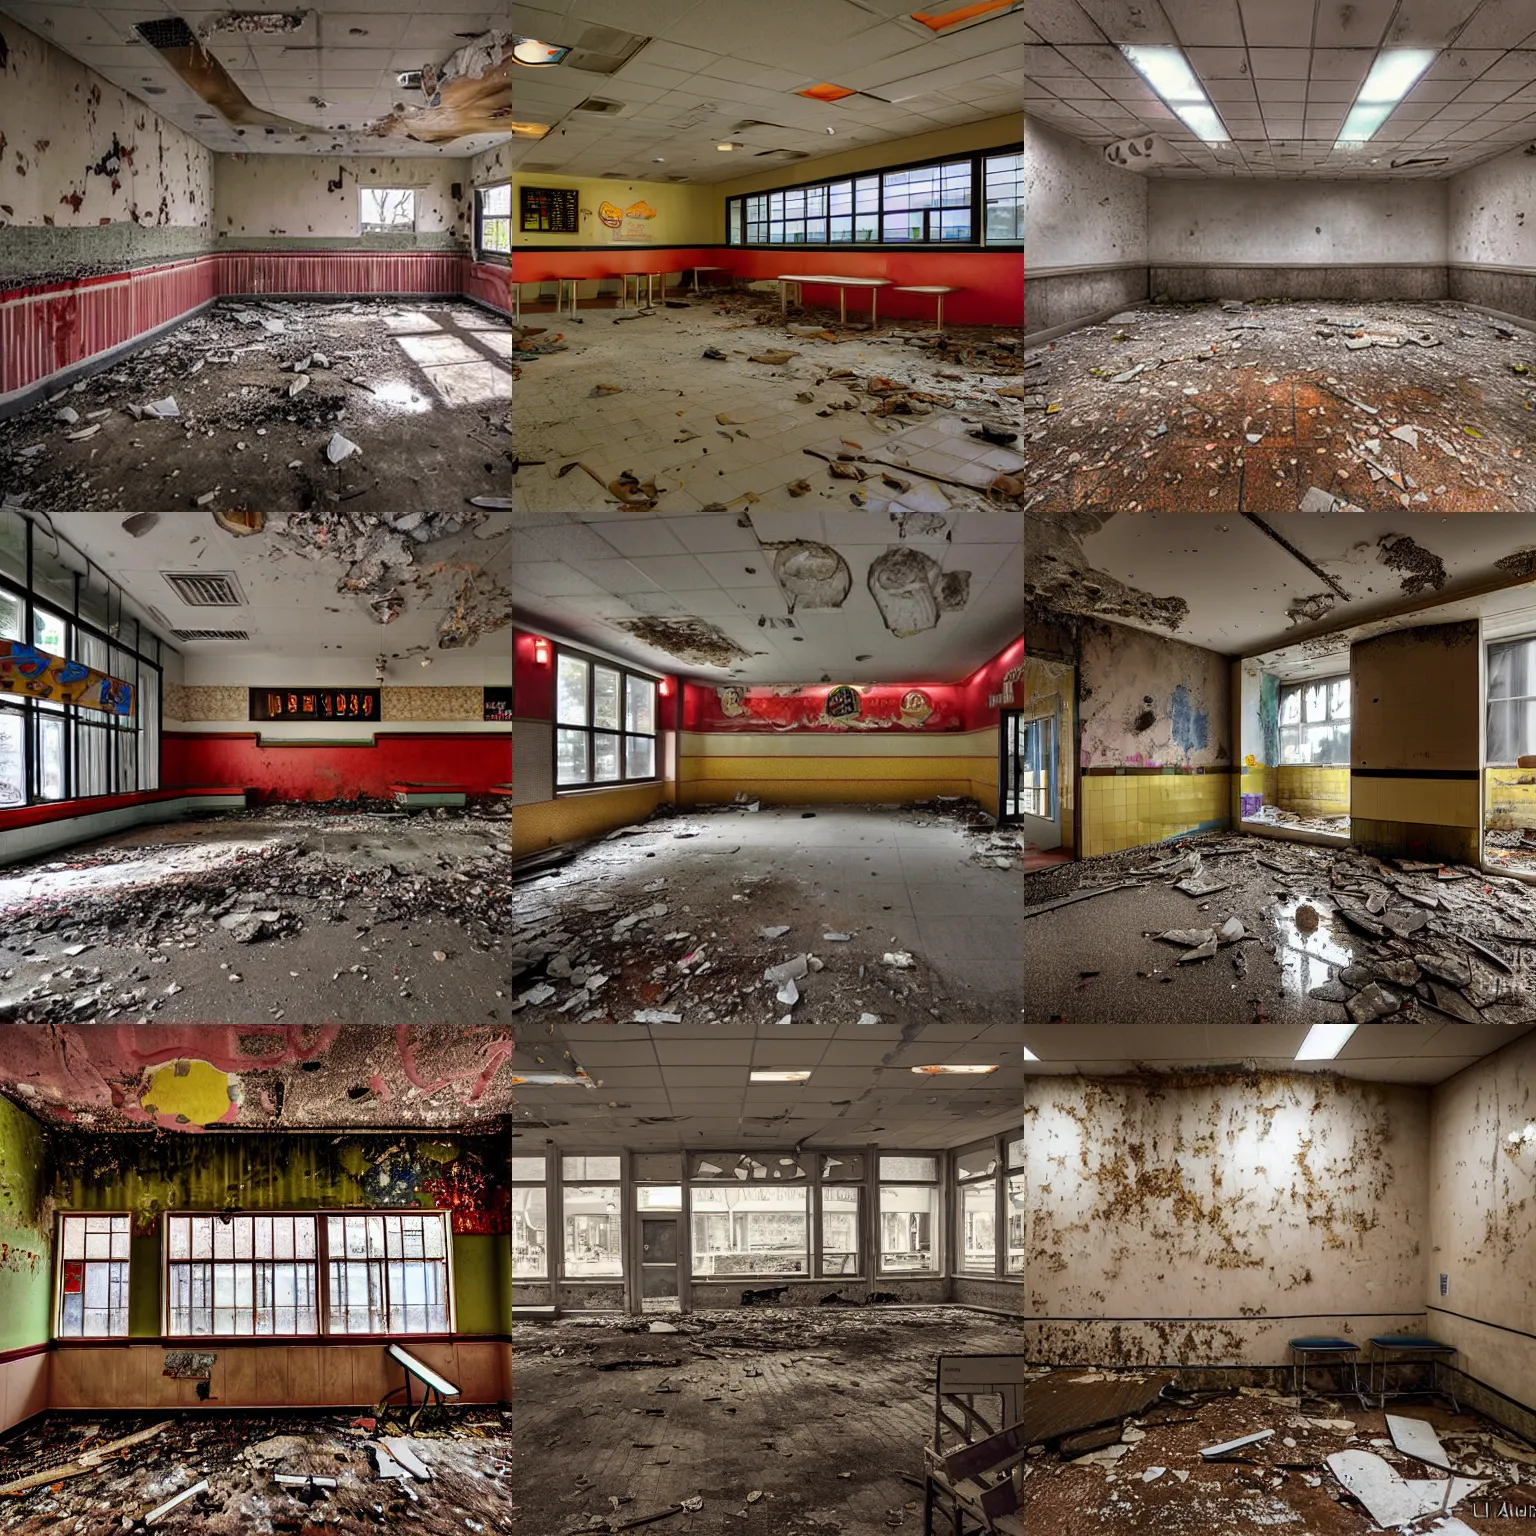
point(315, 703)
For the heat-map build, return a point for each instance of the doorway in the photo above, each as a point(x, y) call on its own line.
point(658, 1265)
point(1031, 795)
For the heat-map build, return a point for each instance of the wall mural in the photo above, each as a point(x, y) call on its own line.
point(911, 589)
point(25, 669)
point(844, 707)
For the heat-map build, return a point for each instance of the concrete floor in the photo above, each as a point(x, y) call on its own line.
point(361, 908)
point(239, 1453)
point(1216, 419)
point(661, 423)
point(430, 415)
point(823, 1416)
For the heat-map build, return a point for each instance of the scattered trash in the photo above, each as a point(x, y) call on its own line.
point(340, 448)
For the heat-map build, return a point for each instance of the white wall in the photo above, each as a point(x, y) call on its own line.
point(1079, 211)
point(1297, 223)
point(1493, 212)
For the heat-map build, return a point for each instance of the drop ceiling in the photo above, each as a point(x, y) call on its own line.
point(659, 1087)
point(583, 575)
point(347, 54)
point(1239, 582)
point(1282, 74)
point(285, 1076)
point(1385, 1053)
point(712, 65)
point(292, 605)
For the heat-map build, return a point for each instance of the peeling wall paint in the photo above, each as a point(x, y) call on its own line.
point(1048, 691)
point(1168, 1217)
point(1151, 702)
point(26, 1219)
point(1493, 212)
point(1079, 210)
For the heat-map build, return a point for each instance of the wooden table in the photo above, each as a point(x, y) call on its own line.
point(842, 284)
point(560, 283)
point(697, 270)
point(933, 288)
point(650, 291)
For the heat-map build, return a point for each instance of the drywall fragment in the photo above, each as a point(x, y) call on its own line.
point(1189, 938)
point(898, 959)
point(789, 970)
point(155, 1516)
point(69, 415)
point(1417, 1438)
point(776, 932)
point(167, 409)
point(404, 1451)
point(340, 448)
point(655, 1016)
point(1216, 1452)
point(1206, 951)
point(1372, 1003)
point(299, 385)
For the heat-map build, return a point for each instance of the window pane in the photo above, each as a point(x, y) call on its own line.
point(642, 756)
point(528, 1169)
point(840, 1230)
point(1016, 1222)
point(756, 1230)
point(530, 1235)
point(909, 1218)
point(593, 1231)
point(13, 548)
point(49, 632)
point(605, 698)
point(970, 1165)
point(1005, 197)
point(589, 1168)
point(639, 705)
point(13, 773)
point(978, 1217)
point(50, 757)
point(1338, 699)
point(571, 691)
point(908, 1167)
point(953, 225)
point(571, 757)
point(605, 757)
point(11, 614)
point(903, 226)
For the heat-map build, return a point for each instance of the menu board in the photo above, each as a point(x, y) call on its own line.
point(315, 703)
point(550, 210)
point(498, 704)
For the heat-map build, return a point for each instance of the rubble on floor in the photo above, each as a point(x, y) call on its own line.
point(1150, 1474)
point(1275, 816)
point(258, 877)
point(229, 1474)
point(1364, 938)
point(218, 403)
point(1283, 406)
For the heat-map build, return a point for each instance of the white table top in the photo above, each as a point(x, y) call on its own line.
point(935, 288)
point(707, 269)
point(847, 282)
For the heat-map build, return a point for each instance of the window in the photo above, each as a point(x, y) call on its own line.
point(1511, 701)
point(840, 1229)
point(605, 723)
point(594, 1224)
point(391, 208)
point(909, 1215)
point(1005, 198)
point(495, 219)
point(93, 1277)
point(751, 1230)
point(388, 1273)
point(530, 1219)
point(978, 1190)
point(1314, 723)
point(254, 1275)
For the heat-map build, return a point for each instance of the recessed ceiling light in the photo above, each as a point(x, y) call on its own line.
point(779, 1077)
point(536, 55)
point(1395, 73)
point(974, 1071)
point(1325, 1041)
point(727, 146)
point(1167, 71)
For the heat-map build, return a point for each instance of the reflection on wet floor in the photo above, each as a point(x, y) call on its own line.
point(1512, 851)
point(1309, 954)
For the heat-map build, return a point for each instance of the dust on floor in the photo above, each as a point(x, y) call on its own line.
point(1284, 406)
point(240, 1455)
point(1250, 929)
point(285, 405)
point(304, 912)
point(1283, 1482)
point(779, 1421)
point(726, 404)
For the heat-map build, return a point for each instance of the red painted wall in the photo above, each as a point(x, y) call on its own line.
point(988, 682)
point(279, 771)
point(993, 281)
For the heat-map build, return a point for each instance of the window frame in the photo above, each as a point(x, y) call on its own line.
point(1297, 733)
point(166, 1263)
point(541, 1184)
point(483, 252)
point(937, 1195)
point(323, 1329)
point(1520, 703)
point(738, 223)
point(654, 736)
point(365, 228)
point(56, 1330)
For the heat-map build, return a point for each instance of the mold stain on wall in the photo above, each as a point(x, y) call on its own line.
point(26, 1219)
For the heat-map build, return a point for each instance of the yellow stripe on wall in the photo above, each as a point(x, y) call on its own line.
point(1511, 797)
point(548, 823)
point(1128, 810)
point(1427, 802)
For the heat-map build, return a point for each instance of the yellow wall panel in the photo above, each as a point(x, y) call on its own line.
point(1427, 802)
point(1128, 810)
point(1313, 791)
point(548, 823)
point(1511, 797)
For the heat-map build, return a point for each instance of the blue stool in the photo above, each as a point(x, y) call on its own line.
point(1323, 1350)
point(1392, 1349)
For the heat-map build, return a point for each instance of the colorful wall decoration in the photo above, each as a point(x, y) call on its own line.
point(841, 707)
point(27, 670)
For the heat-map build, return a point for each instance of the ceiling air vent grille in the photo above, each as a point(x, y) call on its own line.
point(210, 634)
point(599, 104)
point(200, 589)
point(170, 33)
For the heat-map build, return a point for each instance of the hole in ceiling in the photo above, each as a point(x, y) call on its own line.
point(170, 32)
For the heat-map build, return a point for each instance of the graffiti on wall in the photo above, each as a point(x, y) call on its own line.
point(25, 669)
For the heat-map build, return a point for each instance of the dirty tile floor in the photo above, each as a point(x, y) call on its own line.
point(823, 1415)
point(346, 914)
point(1282, 414)
point(423, 389)
point(469, 1458)
point(660, 425)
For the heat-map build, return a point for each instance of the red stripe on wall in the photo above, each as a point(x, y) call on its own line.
point(293, 771)
point(491, 285)
point(342, 272)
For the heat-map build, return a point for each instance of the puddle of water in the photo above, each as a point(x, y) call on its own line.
point(400, 395)
point(1308, 960)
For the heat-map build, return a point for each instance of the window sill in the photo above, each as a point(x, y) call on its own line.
point(600, 789)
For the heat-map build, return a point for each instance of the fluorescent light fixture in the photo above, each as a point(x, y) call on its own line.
point(536, 55)
point(1395, 73)
point(1167, 71)
point(1029, 1055)
point(552, 1079)
point(1325, 1041)
point(779, 1077)
point(976, 1071)
point(727, 146)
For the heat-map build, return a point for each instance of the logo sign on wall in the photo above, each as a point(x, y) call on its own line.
point(843, 703)
point(315, 703)
point(498, 704)
point(915, 707)
point(25, 669)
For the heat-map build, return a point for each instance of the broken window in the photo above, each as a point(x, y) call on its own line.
point(241, 1275)
point(659, 1197)
point(1314, 723)
point(93, 1286)
point(1005, 197)
point(750, 1229)
point(909, 1214)
point(387, 209)
point(388, 1274)
point(495, 209)
point(840, 1229)
point(1511, 701)
point(605, 724)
